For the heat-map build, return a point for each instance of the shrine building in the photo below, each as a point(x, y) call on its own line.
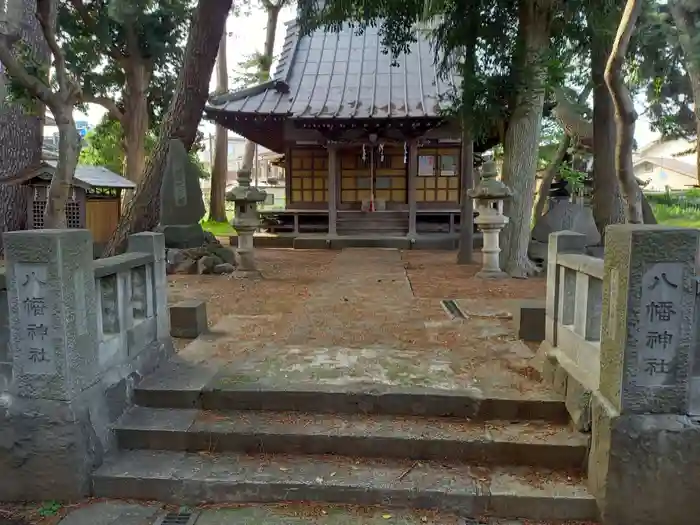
point(367, 150)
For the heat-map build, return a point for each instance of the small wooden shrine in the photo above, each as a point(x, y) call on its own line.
point(366, 147)
point(94, 203)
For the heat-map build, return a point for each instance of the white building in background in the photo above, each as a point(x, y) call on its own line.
point(667, 164)
point(267, 173)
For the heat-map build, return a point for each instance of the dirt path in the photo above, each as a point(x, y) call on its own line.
point(357, 321)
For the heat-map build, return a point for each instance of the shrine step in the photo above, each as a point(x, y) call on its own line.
point(184, 478)
point(531, 443)
point(173, 387)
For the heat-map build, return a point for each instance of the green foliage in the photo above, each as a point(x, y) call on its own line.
point(574, 177)
point(96, 46)
point(252, 71)
point(49, 508)
point(104, 148)
point(663, 74)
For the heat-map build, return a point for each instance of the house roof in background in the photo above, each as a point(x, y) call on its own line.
point(679, 166)
point(345, 76)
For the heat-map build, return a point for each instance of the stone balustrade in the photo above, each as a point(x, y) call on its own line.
point(574, 306)
point(82, 334)
point(621, 345)
point(127, 299)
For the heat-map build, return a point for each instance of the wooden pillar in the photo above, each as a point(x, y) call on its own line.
point(412, 174)
point(332, 188)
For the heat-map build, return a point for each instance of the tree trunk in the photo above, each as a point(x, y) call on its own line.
point(522, 137)
point(466, 221)
point(61, 183)
point(181, 120)
point(219, 172)
point(273, 13)
point(20, 141)
point(549, 175)
point(135, 122)
point(606, 202)
point(20, 132)
point(686, 20)
point(625, 114)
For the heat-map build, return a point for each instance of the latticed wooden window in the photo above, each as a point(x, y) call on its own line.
point(309, 175)
point(72, 214)
point(38, 214)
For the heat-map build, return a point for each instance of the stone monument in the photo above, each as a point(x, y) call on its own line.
point(489, 192)
point(181, 203)
point(562, 215)
point(245, 221)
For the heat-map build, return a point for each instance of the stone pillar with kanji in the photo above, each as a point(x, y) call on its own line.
point(53, 342)
point(644, 463)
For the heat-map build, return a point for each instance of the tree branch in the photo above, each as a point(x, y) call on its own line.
point(625, 114)
point(89, 21)
point(109, 104)
point(43, 14)
point(19, 73)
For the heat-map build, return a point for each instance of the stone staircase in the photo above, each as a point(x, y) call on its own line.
point(386, 223)
point(418, 448)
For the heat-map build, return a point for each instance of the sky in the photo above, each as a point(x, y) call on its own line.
point(247, 35)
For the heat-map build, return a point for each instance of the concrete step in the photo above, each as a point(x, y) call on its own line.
point(167, 389)
point(495, 442)
point(184, 478)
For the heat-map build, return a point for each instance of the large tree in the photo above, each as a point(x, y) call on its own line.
point(20, 127)
point(625, 113)
point(219, 169)
point(126, 54)
point(29, 83)
point(181, 120)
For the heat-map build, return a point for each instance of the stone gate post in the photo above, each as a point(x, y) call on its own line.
point(644, 464)
point(53, 342)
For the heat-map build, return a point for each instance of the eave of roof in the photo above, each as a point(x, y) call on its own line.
point(342, 76)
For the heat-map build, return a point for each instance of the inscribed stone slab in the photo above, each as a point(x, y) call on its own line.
point(648, 311)
point(36, 353)
point(181, 200)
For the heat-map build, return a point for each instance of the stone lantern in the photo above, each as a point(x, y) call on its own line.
point(245, 221)
point(489, 192)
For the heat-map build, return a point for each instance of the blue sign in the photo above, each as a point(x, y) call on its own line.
point(82, 132)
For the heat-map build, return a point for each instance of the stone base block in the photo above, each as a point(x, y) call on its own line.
point(577, 396)
point(48, 450)
point(487, 274)
point(644, 469)
point(188, 319)
point(183, 235)
point(528, 317)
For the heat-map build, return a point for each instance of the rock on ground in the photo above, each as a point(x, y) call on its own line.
point(210, 258)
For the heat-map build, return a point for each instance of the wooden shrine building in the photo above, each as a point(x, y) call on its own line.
point(94, 202)
point(366, 149)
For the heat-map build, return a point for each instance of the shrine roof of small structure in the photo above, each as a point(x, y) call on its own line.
point(87, 177)
point(342, 76)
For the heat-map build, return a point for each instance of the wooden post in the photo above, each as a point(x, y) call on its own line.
point(412, 174)
point(332, 188)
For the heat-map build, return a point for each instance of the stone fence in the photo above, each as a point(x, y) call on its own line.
point(79, 335)
point(622, 345)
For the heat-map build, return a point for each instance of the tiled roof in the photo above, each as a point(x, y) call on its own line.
point(345, 75)
point(98, 177)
